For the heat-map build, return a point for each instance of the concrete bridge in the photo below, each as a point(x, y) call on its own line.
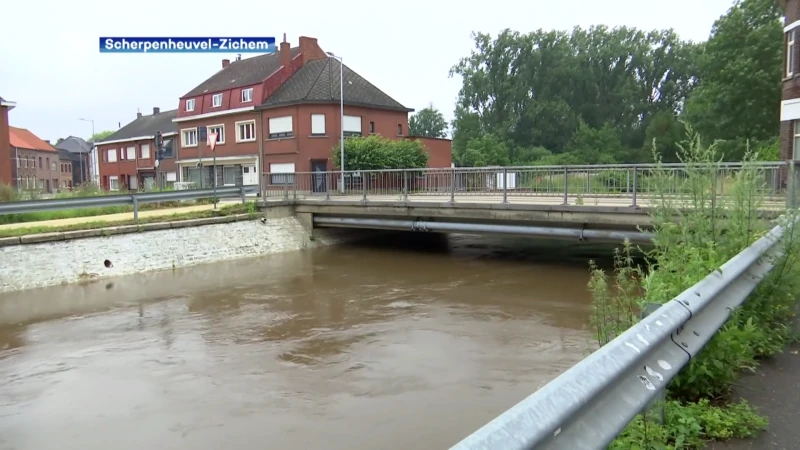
point(593, 203)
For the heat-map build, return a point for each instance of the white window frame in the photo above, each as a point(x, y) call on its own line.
point(185, 133)
point(278, 128)
point(111, 180)
point(216, 100)
point(111, 155)
point(190, 105)
point(349, 126)
point(239, 125)
point(796, 140)
point(247, 95)
point(221, 135)
point(790, 53)
point(130, 153)
point(144, 151)
point(318, 125)
point(281, 173)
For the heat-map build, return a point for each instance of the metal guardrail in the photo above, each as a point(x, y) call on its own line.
point(123, 200)
point(587, 406)
point(634, 183)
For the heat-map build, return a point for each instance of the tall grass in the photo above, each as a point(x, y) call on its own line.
point(691, 243)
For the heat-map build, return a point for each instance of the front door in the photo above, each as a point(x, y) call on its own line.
point(318, 178)
point(249, 175)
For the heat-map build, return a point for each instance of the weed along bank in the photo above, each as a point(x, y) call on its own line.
point(39, 260)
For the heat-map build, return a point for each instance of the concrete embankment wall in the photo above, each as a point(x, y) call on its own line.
point(81, 259)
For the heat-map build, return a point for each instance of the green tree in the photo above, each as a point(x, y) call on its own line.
point(428, 122)
point(375, 152)
point(99, 136)
point(595, 146)
point(533, 90)
point(665, 132)
point(740, 78)
point(486, 150)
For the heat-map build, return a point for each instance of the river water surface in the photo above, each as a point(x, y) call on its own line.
point(400, 346)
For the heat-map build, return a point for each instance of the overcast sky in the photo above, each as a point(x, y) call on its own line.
point(51, 66)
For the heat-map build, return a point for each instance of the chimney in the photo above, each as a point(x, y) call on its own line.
point(156, 110)
point(226, 63)
point(138, 115)
point(310, 49)
point(238, 56)
point(285, 53)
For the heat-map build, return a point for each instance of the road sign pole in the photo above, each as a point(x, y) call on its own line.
point(212, 143)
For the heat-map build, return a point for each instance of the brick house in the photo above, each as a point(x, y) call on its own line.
point(6, 173)
point(76, 151)
point(128, 159)
point(35, 163)
point(790, 94)
point(281, 113)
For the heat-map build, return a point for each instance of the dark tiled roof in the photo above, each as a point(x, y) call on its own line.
point(318, 82)
point(146, 126)
point(74, 144)
point(242, 73)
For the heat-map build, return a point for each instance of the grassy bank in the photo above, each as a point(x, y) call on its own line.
point(700, 406)
point(7, 194)
point(248, 208)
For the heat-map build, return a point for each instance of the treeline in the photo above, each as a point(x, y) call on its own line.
point(603, 95)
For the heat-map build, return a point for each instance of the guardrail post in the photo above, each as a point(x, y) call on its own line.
point(285, 190)
point(294, 186)
point(635, 185)
point(135, 209)
point(327, 186)
point(452, 186)
point(244, 196)
point(505, 185)
point(405, 185)
point(713, 188)
point(566, 185)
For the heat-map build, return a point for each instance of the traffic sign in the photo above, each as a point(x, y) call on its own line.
point(212, 140)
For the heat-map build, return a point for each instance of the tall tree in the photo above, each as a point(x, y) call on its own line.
point(428, 122)
point(740, 77)
point(100, 135)
point(533, 90)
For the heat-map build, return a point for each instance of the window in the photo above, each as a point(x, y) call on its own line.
point(190, 104)
point(352, 125)
point(247, 95)
point(280, 127)
point(229, 175)
point(318, 124)
point(246, 131)
point(790, 53)
point(131, 153)
point(168, 148)
point(220, 130)
point(18, 163)
point(40, 163)
point(216, 100)
point(189, 137)
point(399, 129)
point(144, 151)
point(281, 173)
point(796, 145)
point(113, 183)
point(372, 128)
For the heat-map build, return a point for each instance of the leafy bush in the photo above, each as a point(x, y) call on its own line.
point(7, 193)
point(376, 152)
point(694, 235)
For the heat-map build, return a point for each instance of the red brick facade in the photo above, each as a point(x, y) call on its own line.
point(790, 95)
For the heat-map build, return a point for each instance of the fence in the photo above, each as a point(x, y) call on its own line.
point(632, 182)
point(591, 403)
point(123, 200)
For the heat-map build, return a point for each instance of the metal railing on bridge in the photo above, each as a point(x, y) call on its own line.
point(621, 184)
point(134, 200)
point(587, 406)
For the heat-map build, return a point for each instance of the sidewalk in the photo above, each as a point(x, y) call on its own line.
point(775, 390)
point(120, 217)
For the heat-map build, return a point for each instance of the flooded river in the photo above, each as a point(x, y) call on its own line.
point(401, 346)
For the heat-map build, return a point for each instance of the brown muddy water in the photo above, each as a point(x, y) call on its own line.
point(412, 343)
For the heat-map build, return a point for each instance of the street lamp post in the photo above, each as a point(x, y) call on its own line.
point(341, 115)
point(83, 179)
